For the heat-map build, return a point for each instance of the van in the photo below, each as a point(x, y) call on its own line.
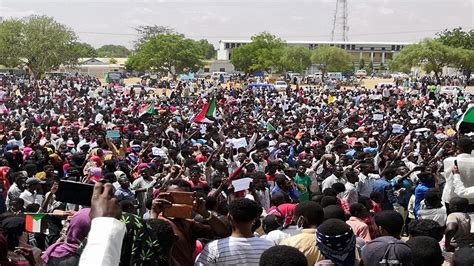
point(334, 75)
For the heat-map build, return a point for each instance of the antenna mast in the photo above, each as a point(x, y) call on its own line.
point(340, 19)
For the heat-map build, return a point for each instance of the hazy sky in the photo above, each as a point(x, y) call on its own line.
point(112, 21)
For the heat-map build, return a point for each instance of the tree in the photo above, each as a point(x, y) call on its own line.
point(83, 49)
point(146, 32)
point(296, 58)
point(464, 42)
point(111, 50)
point(382, 66)
point(457, 38)
point(431, 55)
point(262, 53)
point(113, 61)
point(370, 67)
point(361, 63)
point(330, 58)
point(167, 53)
point(208, 50)
point(39, 42)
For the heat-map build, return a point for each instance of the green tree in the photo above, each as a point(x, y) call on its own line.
point(83, 49)
point(296, 58)
point(167, 53)
point(146, 32)
point(457, 38)
point(370, 67)
point(208, 50)
point(38, 42)
point(463, 41)
point(431, 55)
point(113, 61)
point(361, 63)
point(111, 50)
point(382, 66)
point(330, 58)
point(262, 53)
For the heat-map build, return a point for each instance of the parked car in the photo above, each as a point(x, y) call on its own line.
point(361, 73)
point(400, 75)
point(281, 85)
point(137, 88)
point(449, 90)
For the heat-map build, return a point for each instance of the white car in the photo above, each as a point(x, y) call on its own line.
point(400, 75)
point(137, 88)
point(281, 85)
point(361, 73)
point(449, 90)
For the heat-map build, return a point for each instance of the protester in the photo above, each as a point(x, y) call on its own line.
point(283, 255)
point(238, 158)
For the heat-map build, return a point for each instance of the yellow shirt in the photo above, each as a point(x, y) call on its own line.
point(306, 243)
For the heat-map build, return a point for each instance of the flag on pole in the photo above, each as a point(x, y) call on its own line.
point(466, 123)
point(207, 111)
point(34, 223)
point(147, 109)
point(270, 127)
point(331, 99)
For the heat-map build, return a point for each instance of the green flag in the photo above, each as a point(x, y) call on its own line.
point(466, 123)
point(270, 127)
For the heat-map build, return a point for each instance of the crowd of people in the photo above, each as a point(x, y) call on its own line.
point(314, 175)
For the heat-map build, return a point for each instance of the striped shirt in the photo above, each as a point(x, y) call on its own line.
point(233, 251)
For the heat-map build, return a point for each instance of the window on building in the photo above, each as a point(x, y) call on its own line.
point(361, 48)
point(393, 47)
point(383, 48)
point(398, 47)
point(206, 69)
point(222, 69)
point(227, 45)
point(372, 48)
point(353, 47)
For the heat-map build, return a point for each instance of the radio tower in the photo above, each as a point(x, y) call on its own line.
point(340, 19)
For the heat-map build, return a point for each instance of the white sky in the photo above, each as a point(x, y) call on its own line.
point(112, 21)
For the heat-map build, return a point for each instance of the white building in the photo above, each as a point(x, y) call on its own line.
point(377, 52)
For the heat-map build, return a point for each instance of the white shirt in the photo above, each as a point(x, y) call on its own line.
point(466, 168)
point(104, 242)
point(331, 180)
point(31, 198)
point(350, 195)
point(233, 251)
point(364, 186)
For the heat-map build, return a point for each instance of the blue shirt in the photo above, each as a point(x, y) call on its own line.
point(293, 194)
point(420, 193)
point(124, 194)
point(384, 187)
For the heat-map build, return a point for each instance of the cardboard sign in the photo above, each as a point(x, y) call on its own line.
point(113, 134)
point(238, 143)
point(377, 117)
point(397, 129)
point(241, 184)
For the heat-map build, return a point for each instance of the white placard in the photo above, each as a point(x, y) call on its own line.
point(238, 143)
point(241, 184)
point(377, 117)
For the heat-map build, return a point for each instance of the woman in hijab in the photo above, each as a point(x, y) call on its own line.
point(65, 253)
point(337, 243)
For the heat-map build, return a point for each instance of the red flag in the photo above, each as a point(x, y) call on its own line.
point(299, 92)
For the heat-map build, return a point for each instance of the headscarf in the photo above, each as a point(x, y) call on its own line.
point(77, 231)
point(340, 249)
point(96, 174)
point(97, 160)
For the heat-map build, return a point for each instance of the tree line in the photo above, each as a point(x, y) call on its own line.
point(42, 44)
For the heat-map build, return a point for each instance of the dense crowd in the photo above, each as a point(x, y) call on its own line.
point(314, 175)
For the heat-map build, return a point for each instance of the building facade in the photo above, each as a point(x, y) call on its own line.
point(377, 52)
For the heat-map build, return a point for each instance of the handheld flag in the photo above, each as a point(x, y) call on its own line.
point(466, 123)
point(207, 111)
point(299, 135)
point(331, 99)
point(34, 223)
point(270, 127)
point(147, 109)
